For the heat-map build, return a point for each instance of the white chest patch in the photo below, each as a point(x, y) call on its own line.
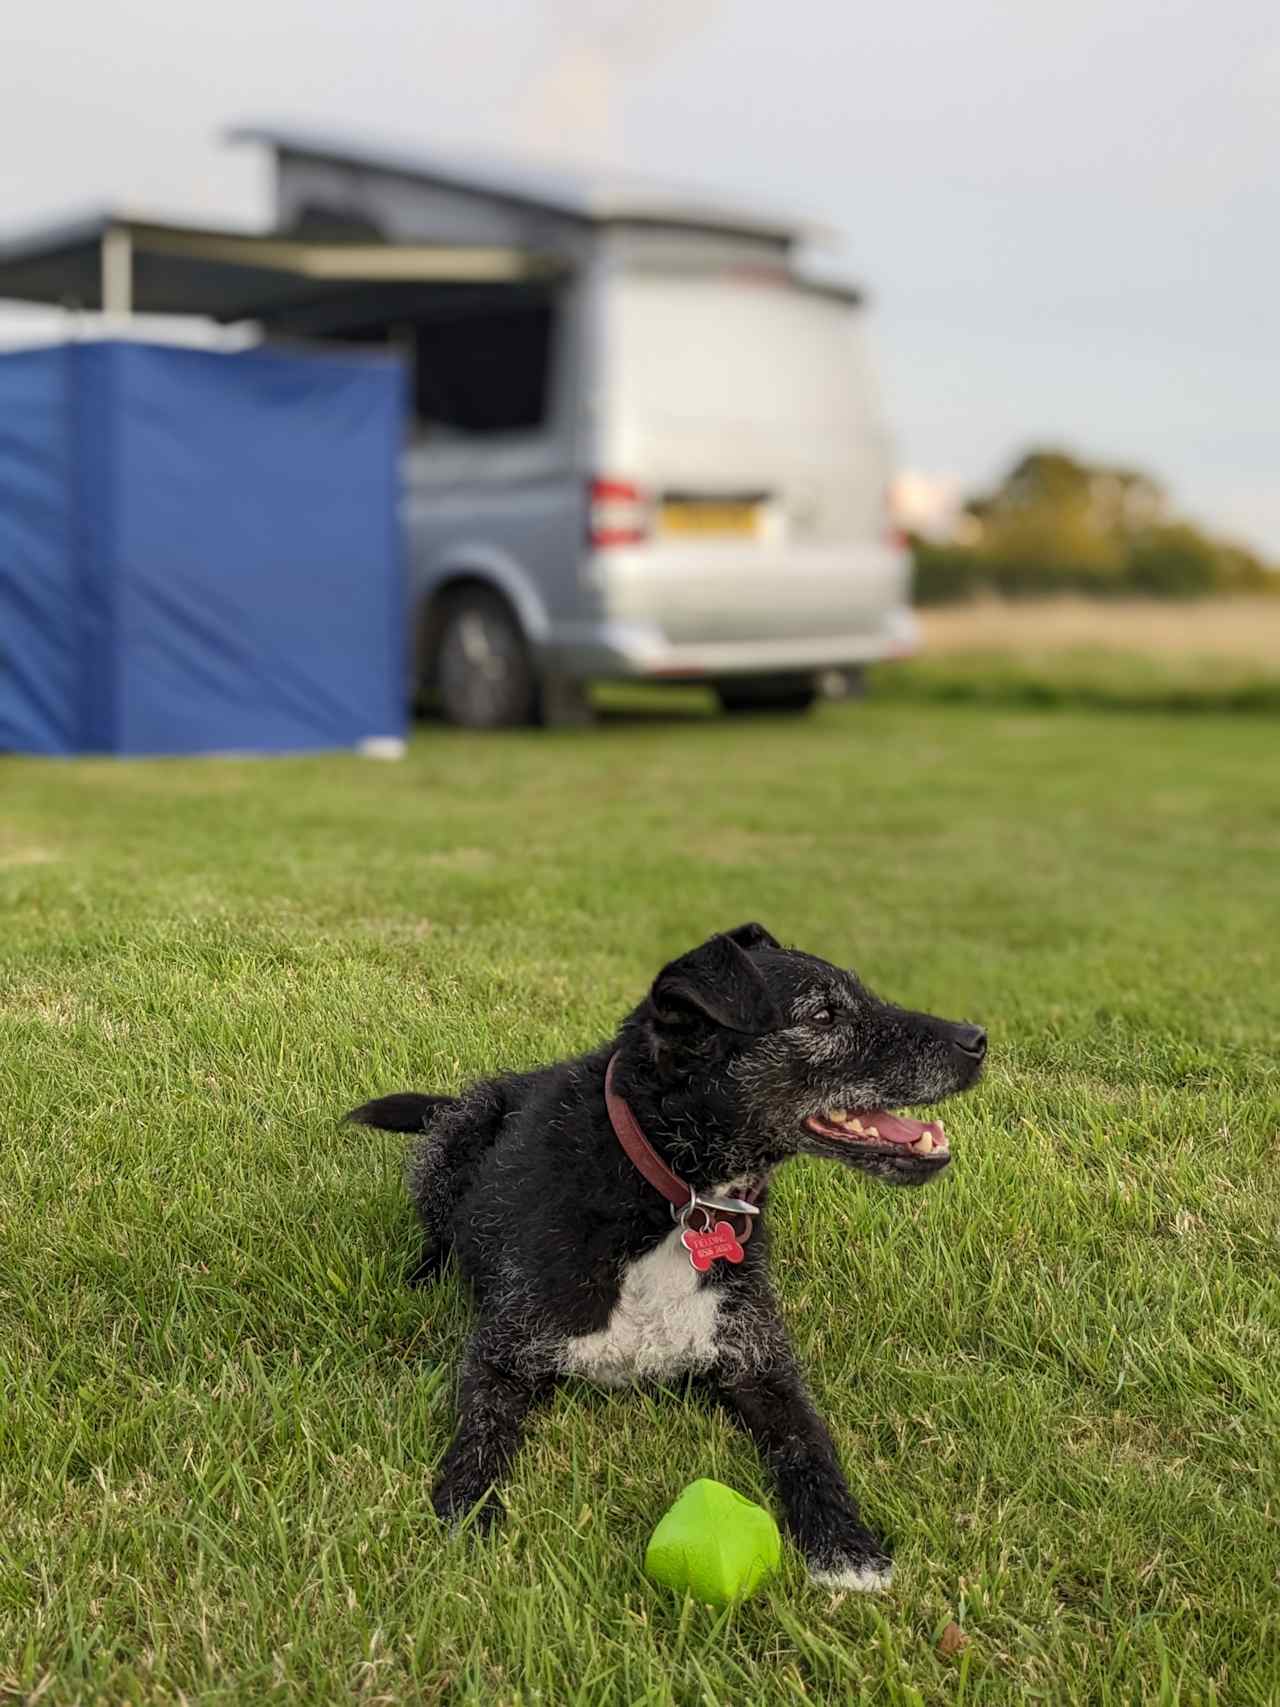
point(663, 1325)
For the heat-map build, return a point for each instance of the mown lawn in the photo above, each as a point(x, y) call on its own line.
point(1053, 1375)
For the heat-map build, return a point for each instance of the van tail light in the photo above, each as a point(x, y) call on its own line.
point(617, 513)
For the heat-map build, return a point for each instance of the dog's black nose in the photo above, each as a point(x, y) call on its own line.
point(970, 1040)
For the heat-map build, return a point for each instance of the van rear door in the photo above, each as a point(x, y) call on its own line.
point(743, 409)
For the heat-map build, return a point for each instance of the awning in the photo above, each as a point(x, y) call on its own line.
point(118, 264)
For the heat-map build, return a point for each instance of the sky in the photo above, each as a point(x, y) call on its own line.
point(1066, 212)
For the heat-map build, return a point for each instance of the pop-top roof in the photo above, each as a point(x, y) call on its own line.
point(595, 198)
point(228, 274)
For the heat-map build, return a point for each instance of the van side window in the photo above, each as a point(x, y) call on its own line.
point(479, 359)
point(483, 371)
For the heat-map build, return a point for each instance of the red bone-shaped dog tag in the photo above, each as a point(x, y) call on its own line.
point(709, 1246)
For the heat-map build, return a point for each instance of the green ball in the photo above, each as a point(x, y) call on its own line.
point(714, 1544)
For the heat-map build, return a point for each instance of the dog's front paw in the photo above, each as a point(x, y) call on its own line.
point(861, 1566)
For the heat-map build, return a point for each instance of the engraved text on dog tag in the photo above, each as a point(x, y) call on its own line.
point(704, 1248)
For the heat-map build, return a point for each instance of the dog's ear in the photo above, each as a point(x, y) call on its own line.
point(716, 982)
point(752, 936)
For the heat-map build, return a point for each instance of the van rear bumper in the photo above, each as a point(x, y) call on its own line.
point(636, 649)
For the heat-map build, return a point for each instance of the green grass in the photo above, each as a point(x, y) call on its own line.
point(1087, 677)
point(1052, 1375)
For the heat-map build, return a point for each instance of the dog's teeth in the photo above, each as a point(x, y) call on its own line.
point(924, 1143)
point(854, 1125)
point(872, 1131)
point(839, 1115)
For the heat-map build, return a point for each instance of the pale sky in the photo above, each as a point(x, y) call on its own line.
point(1067, 211)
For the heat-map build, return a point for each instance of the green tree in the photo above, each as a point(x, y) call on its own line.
point(1058, 524)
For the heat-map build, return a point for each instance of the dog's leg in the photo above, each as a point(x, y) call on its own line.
point(441, 1162)
point(494, 1403)
point(821, 1517)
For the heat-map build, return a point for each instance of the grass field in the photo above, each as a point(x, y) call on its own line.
point(1053, 1374)
point(1124, 654)
point(1222, 631)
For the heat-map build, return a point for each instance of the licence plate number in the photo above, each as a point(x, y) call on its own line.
point(705, 519)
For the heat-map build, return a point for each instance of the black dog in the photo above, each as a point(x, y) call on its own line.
point(557, 1194)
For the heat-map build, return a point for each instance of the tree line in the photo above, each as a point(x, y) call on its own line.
point(1056, 524)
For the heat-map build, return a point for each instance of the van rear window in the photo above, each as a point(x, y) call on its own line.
point(740, 353)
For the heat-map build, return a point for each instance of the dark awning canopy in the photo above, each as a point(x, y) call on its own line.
point(121, 265)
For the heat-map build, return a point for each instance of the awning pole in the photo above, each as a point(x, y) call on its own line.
point(117, 273)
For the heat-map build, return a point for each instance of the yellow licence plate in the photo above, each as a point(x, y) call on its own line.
point(738, 518)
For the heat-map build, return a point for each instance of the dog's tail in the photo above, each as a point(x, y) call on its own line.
point(405, 1111)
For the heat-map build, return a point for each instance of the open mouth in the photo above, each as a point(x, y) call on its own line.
point(877, 1129)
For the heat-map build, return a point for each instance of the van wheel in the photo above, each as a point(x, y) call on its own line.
point(744, 694)
point(483, 674)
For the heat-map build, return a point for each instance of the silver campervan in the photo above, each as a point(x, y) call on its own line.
point(643, 445)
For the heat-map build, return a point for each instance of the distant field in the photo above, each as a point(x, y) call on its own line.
point(1052, 1375)
point(1213, 656)
point(1244, 630)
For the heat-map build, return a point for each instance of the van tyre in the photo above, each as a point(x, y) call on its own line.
point(744, 694)
point(483, 674)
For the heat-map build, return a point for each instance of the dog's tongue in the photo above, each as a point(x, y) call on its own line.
point(897, 1128)
point(878, 1126)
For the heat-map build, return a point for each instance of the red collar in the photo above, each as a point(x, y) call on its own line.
point(682, 1197)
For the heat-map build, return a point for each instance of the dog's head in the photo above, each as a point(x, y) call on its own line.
point(799, 1057)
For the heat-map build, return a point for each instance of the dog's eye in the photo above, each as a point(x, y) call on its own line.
point(824, 1016)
